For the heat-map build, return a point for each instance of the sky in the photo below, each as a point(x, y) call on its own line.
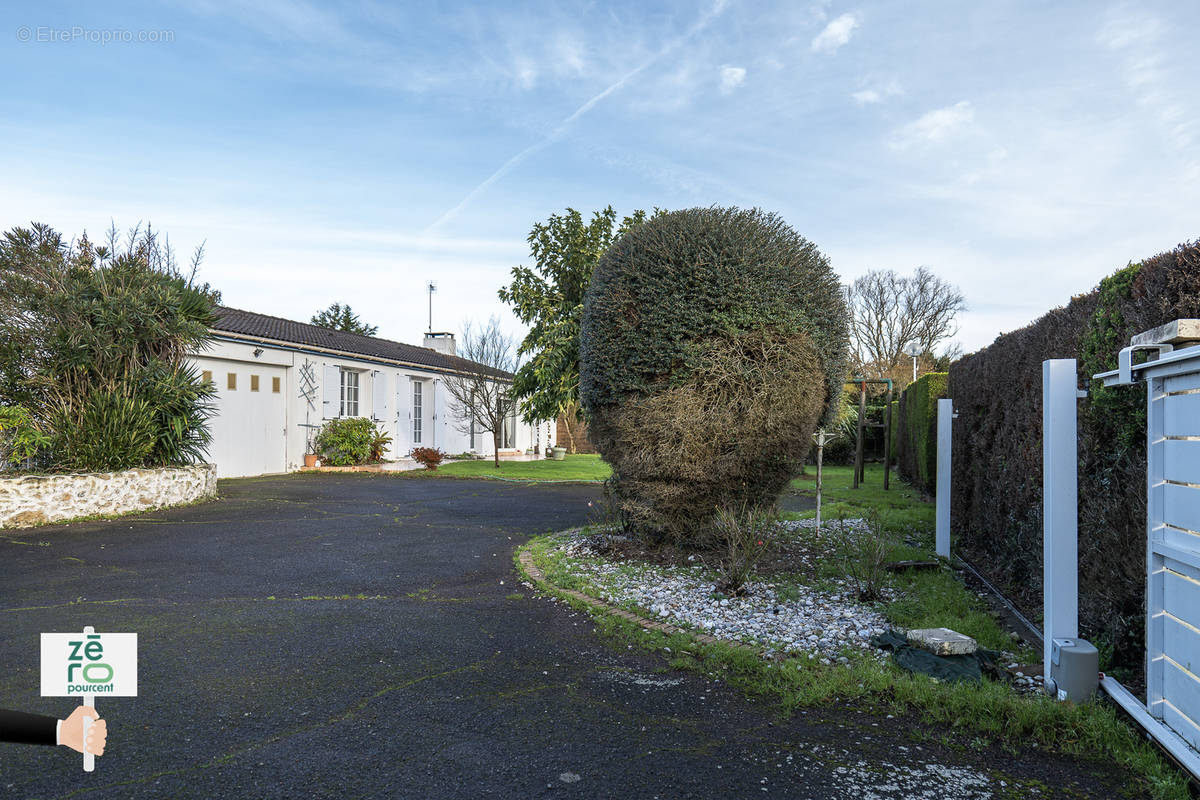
point(353, 152)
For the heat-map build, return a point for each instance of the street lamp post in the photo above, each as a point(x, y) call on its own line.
point(914, 350)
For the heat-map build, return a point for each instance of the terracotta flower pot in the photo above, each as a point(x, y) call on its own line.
point(312, 460)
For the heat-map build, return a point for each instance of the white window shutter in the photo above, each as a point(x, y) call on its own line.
point(378, 395)
point(331, 392)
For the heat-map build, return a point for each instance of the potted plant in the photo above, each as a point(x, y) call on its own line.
point(311, 457)
point(559, 453)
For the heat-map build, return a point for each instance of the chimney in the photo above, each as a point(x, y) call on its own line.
point(442, 341)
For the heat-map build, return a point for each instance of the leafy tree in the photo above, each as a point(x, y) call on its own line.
point(479, 391)
point(549, 298)
point(339, 317)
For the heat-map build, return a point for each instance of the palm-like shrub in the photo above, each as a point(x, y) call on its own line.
point(713, 342)
point(93, 342)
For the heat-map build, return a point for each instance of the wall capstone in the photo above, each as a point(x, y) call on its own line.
point(27, 500)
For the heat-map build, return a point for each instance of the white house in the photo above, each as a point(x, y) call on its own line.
point(278, 381)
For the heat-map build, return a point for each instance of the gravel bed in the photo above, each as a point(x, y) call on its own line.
point(821, 624)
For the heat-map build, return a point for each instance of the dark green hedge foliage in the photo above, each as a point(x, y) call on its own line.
point(687, 277)
point(669, 306)
point(918, 428)
point(997, 492)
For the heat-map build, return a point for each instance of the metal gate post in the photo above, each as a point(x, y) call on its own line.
point(1156, 475)
point(859, 475)
point(887, 438)
point(1060, 505)
point(945, 414)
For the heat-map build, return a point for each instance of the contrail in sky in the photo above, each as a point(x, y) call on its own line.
point(563, 126)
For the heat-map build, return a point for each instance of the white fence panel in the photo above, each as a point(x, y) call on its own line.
point(1183, 415)
point(1181, 693)
point(1181, 504)
point(1172, 549)
point(1182, 459)
point(1173, 558)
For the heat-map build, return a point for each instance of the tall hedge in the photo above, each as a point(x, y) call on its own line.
point(918, 427)
point(997, 494)
point(713, 341)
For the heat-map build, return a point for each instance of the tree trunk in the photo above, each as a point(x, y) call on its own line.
point(570, 433)
point(497, 431)
point(570, 416)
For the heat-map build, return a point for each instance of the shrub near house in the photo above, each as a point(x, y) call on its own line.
point(351, 440)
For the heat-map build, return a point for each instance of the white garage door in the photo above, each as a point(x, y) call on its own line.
point(249, 429)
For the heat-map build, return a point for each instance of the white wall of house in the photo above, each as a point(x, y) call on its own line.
point(279, 396)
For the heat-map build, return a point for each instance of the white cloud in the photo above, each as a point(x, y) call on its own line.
point(525, 72)
point(731, 78)
point(935, 126)
point(835, 34)
point(877, 94)
point(560, 130)
point(1148, 74)
point(568, 52)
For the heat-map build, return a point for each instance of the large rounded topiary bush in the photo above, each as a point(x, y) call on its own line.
point(713, 342)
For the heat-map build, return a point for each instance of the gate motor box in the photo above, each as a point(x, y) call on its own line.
point(1074, 670)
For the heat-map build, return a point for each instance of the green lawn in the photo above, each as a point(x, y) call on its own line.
point(901, 505)
point(572, 468)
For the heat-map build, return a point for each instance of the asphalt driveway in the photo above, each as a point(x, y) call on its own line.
point(366, 636)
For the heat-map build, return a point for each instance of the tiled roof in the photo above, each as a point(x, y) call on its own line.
point(247, 323)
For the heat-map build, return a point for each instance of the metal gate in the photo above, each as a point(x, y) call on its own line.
point(1172, 533)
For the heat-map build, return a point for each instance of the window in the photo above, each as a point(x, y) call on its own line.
point(416, 412)
point(472, 447)
point(231, 381)
point(508, 429)
point(254, 383)
point(275, 385)
point(206, 376)
point(349, 393)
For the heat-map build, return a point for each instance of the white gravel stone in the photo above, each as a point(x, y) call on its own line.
point(814, 621)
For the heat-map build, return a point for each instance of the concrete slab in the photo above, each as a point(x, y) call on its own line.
point(1179, 331)
point(942, 641)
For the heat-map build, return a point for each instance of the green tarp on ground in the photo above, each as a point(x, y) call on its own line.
point(946, 668)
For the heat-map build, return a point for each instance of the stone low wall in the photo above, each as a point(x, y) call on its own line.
point(35, 499)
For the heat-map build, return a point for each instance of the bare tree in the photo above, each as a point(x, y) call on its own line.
point(889, 311)
point(480, 392)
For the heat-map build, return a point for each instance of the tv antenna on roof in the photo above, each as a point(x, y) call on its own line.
point(431, 288)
